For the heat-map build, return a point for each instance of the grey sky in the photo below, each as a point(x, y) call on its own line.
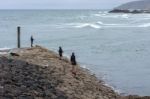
point(60, 4)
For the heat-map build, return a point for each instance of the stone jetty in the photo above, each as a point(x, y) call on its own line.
point(38, 73)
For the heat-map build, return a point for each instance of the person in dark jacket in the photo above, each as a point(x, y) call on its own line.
point(60, 52)
point(73, 59)
point(73, 62)
point(32, 39)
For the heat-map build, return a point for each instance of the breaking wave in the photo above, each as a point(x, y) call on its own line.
point(84, 25)
point(109, 24)
point(95, 25)
point(145, 25)
point(5, 48)
point(106, 15)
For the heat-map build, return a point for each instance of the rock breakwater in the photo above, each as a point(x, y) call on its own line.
point(37, 73)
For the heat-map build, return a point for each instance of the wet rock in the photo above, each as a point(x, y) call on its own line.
point(14, 54)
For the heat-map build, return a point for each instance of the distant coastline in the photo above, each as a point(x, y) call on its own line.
point(129, 11)
point(135, 7)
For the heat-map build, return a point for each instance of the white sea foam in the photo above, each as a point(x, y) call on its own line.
point(116, 90)
point(66, 55)
point(5, 48)
point(83, 25)
point(104, 15)
point(96, 25)
point(98, 15)
point(125, 16)
point(2, 53)
point(145, 25)
point(84, 66)
point(99, 22)
point(109, 24)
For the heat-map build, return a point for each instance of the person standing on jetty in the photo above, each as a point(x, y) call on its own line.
point(73, 62)
point(73, 59)
point(32, 39)
point(60, 52)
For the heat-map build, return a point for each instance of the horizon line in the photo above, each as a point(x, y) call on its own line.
point(58, 9)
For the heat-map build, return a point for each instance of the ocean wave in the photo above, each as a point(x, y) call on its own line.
point(105, 15)
point(145, 25)
point(3, 53)
point(112, 87)
point(99, 14)
point(84, 25)
point(79, 25)
point(96, 25)
point(109, 24)
point(103, 12)
point(125, 16)
point(99, 22)
point(4, 48)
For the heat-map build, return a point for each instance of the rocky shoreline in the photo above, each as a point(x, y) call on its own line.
point(37, 73)
point(129, 11)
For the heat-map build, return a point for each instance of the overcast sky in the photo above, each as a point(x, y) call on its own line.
point(60, 4)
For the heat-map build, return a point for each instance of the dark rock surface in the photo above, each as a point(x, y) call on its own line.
point(129, 11)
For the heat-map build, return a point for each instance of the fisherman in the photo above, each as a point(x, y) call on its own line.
point(73, 62)
point(73, 59)
point(32, 39)
point(60, 52)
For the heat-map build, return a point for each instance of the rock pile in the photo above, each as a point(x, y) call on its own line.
point(37, 73)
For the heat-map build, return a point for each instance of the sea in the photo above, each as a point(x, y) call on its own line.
point(113, 46)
